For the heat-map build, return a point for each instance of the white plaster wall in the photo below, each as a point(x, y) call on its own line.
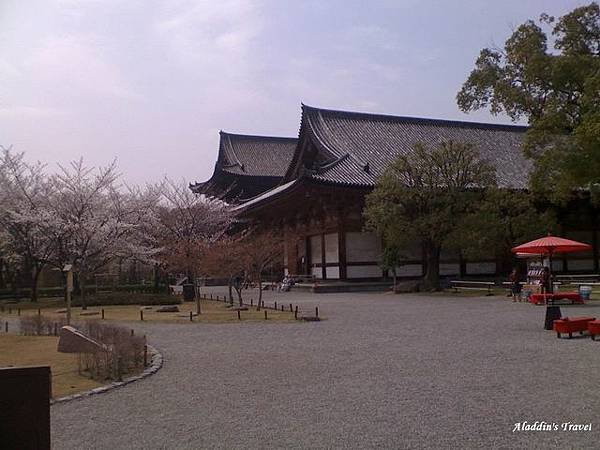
point(482, 268)
point(580, 264)
point(362, 247)
point(449, 269)
point(333, 273)
point(315, 249)
point(363, 271)
point(332, 254)
point(410, 270)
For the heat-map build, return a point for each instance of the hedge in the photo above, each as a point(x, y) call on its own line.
point(125, 298)
point(6, 294)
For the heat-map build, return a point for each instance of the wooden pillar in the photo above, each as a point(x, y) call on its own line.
point(462, 264)
point(342, 252)
point(307, 256)
point(323, 264)
point(565, 264)
point(292, 255)
point(594, 220)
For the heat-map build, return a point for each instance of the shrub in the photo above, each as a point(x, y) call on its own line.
point(126, 298)
point(38, 325)
point(124, 354)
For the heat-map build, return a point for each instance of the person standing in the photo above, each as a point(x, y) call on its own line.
point(515, 285)
point(546, 281)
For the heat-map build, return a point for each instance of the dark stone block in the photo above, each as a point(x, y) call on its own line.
point(552, 313)
point(167, 308)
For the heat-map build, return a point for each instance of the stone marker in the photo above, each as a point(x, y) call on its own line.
point(311, 319)
point(167, 308)
point(71, 340)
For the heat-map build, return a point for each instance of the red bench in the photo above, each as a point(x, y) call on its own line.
point(571, 325)
point(540, 299)
point(594, 328)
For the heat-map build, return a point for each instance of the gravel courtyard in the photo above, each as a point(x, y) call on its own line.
point(385, 371)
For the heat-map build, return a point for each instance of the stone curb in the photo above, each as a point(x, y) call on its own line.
point(156, 362)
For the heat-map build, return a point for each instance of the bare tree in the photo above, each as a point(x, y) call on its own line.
point(261, 251)
point(226, 258)
point(189, 224)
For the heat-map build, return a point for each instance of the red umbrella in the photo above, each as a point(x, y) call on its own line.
point(551, 244)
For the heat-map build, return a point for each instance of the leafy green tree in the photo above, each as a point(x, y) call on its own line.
point(551, 79)
point(423, 195)
point(392, 257)
point(501, 220)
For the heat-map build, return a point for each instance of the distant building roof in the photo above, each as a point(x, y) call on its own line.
point(351, 148)
point(247, 166)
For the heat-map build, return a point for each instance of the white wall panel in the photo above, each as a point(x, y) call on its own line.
point(332, 254)
point(317, 272)
point(410, 270)
point(364, 272)
point(362, 247)
point(580, 264)
point(315, 249)
point(449, 269)
point(481, 268)
point(333, 273)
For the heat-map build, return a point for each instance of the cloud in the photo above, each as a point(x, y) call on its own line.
point(33, 112)
point(78, 62)
point(205, 29)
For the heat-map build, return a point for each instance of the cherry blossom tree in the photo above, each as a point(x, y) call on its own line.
point(25, 193)
point(96, 220)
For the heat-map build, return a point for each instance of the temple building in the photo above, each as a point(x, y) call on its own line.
point(247, 166)
point(313, 188)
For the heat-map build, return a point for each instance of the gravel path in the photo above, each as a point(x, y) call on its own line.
point(410, 371)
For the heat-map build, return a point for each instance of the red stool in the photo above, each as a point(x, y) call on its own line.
point(572, 324)
point(594, 328)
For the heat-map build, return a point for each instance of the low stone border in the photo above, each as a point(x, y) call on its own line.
point(156, 362)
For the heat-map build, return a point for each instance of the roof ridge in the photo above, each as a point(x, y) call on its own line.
point(412, 119)
point(250, 136)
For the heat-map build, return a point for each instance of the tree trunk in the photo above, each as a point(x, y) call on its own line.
point(259, 288)
point(35, 276)
point(431, 280)
point(2, 282)
point(155, 278)
point(82, 289)
point(238, 290)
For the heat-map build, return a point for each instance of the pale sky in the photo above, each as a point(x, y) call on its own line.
point(151, 82)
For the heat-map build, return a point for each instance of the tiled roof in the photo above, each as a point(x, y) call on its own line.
point(266, 196)
point(354, 148)
point(247, 165)
point(262, 156)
